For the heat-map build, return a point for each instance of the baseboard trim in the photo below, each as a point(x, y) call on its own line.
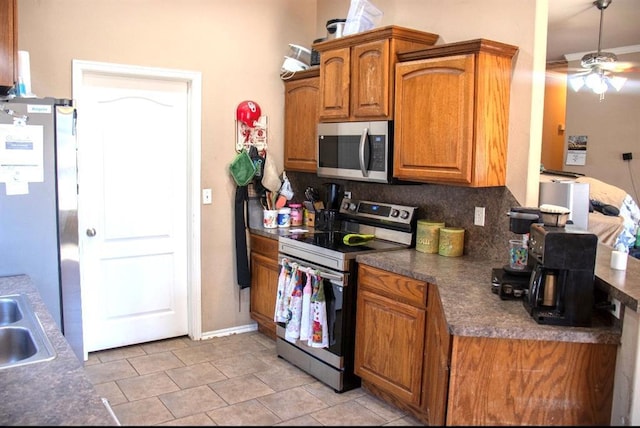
point(229, 331)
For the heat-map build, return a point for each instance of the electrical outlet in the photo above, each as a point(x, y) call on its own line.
point(347, 194)
point(206, 196)
point(615, 307)
point(627, 156)
point(478, 218)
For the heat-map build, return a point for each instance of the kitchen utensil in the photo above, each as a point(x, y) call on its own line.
point(335, 28)
point(311, 194)
point(281, 201)
point(299, 53)
point(308, 205)
point(326, 220)
point(357, 239)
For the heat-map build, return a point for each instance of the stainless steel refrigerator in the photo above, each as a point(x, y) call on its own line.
point(38, 205)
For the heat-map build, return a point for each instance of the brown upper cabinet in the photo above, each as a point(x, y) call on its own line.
point(8, 42)
point(357, 72)
point(452, 113)
point(300, 120)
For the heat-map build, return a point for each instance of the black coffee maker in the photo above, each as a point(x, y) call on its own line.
point(561, 290)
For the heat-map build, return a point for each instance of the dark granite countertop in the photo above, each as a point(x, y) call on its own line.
point(279, 231)
point(471, 309)
point(55, 392)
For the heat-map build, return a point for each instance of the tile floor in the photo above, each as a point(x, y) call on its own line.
point(231, 380)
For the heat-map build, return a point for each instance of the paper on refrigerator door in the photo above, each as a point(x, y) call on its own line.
point(21, 153)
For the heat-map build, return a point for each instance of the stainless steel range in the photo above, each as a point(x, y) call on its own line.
point(325, 255)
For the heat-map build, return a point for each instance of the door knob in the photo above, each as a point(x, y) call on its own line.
point(91, 232)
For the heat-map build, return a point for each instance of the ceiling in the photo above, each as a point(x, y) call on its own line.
point(574, 26)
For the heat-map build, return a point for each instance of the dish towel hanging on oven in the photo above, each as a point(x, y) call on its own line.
point(292, 330)
point(318, 315)
point(302, 309)
point(282, 298)
point(305, 324)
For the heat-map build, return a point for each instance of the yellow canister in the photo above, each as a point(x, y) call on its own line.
point(451, 241)
point(428, 236)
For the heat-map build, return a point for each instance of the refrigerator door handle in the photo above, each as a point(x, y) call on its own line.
point(91, 232)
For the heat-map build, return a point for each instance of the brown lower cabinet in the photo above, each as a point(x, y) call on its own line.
point(406, 356)
point(264, 282)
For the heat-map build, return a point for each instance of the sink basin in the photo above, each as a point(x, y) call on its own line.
point(9, 311)
point(16, 344)
point(22, 338)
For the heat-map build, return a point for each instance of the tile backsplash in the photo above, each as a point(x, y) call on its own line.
point(453, 205)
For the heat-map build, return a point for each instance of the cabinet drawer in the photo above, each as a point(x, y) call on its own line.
point(392, 285)
point(266, 246)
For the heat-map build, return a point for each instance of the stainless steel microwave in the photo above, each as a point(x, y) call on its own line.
point(361, 151)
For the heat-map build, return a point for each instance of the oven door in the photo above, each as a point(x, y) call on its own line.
point(339, 304)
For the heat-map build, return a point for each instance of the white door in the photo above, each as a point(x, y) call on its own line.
point(134, 209)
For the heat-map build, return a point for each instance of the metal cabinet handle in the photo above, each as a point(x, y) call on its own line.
point(91, 232)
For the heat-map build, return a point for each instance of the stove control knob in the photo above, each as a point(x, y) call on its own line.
point(352, 206)
point(404, 214)
point(394, 212)
point(345, 205)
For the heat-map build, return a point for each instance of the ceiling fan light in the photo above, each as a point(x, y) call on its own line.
point(617, 82)
point(576, 83)
point(593, 80)
point(600, 88)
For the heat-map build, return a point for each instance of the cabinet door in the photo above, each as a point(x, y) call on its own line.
point(390, 345)
point(434, 120)
point(370, 95)
point(300, 124)
point(8, 42)
point(334, 84)
point(264, 282)
point(437, 362)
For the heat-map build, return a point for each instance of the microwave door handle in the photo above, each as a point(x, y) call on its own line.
point(363, 140)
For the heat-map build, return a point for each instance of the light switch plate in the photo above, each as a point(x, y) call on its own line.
point(478, 218)
point(206, 196)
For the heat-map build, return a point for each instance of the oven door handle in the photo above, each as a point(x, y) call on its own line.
point(363, 140)
point(339, 279)
point(325, 275)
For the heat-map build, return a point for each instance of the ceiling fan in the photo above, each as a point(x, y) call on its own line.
point(599, 68)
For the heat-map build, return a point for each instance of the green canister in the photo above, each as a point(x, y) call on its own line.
point(451, 241)
point(428, 236)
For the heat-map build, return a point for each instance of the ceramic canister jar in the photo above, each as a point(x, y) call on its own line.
point(451, 241)
point(284, 217)
point(428, 236)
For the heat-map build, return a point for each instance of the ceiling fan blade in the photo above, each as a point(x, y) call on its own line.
point(578, 71)
point(621, 67)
